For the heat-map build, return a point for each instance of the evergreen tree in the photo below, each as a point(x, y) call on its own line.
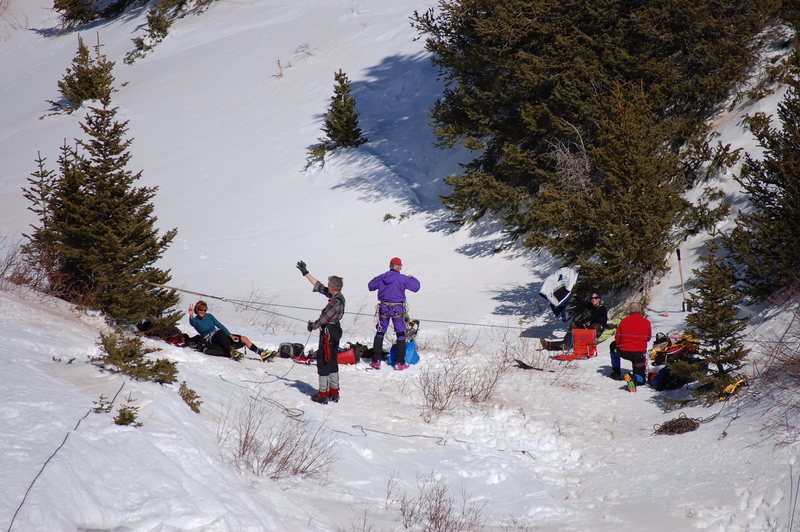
point(100, 231)
point(615, 220)
point(521, 75)
point(75, 12)
point(715, 323)
point(89, 78)
point(766, 240)
point(341, 119)
point(39, 194)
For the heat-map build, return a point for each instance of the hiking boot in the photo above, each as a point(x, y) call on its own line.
point(616, 374)
point(631, 382)
point(320, 397)
point(333, 396)
point(375, 365)
point(266, 356)
point(236, 355)
point(400, 367)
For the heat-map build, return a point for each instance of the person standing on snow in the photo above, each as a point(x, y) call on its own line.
point(391, 287)
point(330, 333)
point(633, 334)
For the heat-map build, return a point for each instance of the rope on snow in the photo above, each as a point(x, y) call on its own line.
point(678, 425)
point(41, 470)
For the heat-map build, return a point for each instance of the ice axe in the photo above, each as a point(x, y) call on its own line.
point(685, 305)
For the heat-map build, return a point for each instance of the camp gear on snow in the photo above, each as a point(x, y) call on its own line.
point(557, 289)
point(411, 354)
point(347, 355)
point(289, 350)
point(583, 346)
point(733, 387)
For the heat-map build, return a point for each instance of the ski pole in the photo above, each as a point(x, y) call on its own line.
point(683, 290)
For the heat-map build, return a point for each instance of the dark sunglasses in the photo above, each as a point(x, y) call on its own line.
point(595, 297)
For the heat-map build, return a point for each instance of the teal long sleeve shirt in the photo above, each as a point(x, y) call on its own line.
point(207, 324)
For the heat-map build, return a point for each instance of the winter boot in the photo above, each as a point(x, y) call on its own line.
point(320, 397)
point(333, 395)
point(375, 364)
point(616, 374)
point(400, 367)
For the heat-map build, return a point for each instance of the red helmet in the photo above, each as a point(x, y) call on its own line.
point(395, 261)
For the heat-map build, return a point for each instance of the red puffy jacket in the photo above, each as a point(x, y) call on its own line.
point(633, 333)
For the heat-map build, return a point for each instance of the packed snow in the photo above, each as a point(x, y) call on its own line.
point(222, 129)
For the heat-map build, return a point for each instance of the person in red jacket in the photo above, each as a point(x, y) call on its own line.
point(633, 334)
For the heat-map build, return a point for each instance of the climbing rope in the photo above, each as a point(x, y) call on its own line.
point(678, 425)
point(41, 470)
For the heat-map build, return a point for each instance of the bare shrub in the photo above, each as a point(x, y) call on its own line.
point(434, 509)
point(360, 523)
point(14, 271)
point(778, 380)
point(264, 443)
point(460, 373)
point(440, 386)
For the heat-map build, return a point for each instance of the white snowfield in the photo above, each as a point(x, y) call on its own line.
point(224, 137)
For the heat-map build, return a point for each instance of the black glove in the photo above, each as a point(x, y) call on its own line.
point(302, 267)
point(310, 326)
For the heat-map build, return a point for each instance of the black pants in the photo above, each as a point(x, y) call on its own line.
point(329, 338)
point(221, 345)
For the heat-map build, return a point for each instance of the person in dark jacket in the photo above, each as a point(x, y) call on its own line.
point(391, 287)
point(633, 335)
point(590, 314)
point(330, 333)
point(217, 339)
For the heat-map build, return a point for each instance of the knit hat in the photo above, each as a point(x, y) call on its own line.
point(395, 261)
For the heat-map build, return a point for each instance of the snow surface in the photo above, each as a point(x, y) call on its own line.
point(225, 139)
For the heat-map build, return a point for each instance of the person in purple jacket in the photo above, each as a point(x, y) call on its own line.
point(391, 287)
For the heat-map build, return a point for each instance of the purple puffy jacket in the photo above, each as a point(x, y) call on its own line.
point(391, 286)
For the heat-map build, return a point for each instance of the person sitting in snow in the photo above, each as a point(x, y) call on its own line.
point(330, 333)
point(589, 314)
point(391, 287)
point(217, 339)
point(633, 335)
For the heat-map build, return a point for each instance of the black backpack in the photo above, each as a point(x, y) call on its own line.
point(290, 350)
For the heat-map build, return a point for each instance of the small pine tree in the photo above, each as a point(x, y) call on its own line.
point(715, 323)
point(190, 397)
point(129, 356)
point(341, 120)
point(766, 241)
point(100, 241)
point(128, 413)
point(89, 78)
